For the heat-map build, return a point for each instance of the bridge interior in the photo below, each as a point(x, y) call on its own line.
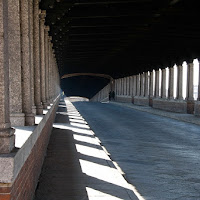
point(118, 52)
point(120, 38)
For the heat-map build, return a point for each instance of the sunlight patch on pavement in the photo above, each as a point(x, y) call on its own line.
point(78, 121)
point(110, 176)
point(89, 151)
point(74, 129)
point(95, 194)
point(81, 138)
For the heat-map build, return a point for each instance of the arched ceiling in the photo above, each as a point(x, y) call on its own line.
point(122, 37)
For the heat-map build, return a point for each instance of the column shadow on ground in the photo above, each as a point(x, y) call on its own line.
point(71, 169)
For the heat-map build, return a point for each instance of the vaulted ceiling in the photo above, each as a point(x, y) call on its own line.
point(122, 37)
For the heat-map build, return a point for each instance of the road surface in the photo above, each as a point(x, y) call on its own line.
point(159, 156)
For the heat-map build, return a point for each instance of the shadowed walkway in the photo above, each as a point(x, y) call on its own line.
point(76, 167)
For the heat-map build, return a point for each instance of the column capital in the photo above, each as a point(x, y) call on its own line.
point(47, 29)
point(42, 15)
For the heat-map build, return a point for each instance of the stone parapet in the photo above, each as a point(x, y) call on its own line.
point(178, 106)
point(141, 101)
point(126, 99)
point(197, 108)
point(20, 169)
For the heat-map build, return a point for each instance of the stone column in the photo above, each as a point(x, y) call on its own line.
point(163, 85)
point(180, 83)
point(157, 84)
point(50, 68)
point(151, 91)
point(146, 91)
point(36, 58)
point(134, 85)
point(151, 85)
point(138, 85)
point(121, 93)
point(124, 86)
point(17, 118)
point(131, 86)
point(198, 97)
point(190, 89)
point(7, 138)
point(118, 86)
point(46, 32)
point(42, 59)
point(171, 83)
point(53, 74)
point(190, 84)
point(31, 54)
point(25, 62)
point(142, 84)
point(115, 87)
point(127, 86)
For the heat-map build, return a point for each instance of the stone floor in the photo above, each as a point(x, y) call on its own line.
point(159, 156)
point(77, 167)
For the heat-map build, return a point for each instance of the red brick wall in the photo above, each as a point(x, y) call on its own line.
point(24, 186)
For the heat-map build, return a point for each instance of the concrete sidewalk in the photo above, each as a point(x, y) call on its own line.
point(179, 116)
point(77, 167)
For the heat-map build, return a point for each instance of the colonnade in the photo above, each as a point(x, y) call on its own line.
point(160, 88)
point(29, 78)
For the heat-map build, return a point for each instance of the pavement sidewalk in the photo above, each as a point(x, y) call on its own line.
point(77, 167)
point(178, 116)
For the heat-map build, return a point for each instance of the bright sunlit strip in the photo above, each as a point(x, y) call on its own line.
point(81, 138)
point(78, 121)
point(89, 151)
point(167, 81)
point(22, 134)
point(61, 106)
point(175, 81)
point(196, 78)
point(105, 173)
point(75, 117)
point(96, 194)
point(98, 171)
point(38, 119)
point(79, 125)
point(45, 111)
point(184, 89)
point(70, 127)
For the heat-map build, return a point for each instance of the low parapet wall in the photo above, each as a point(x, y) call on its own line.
point(125, 99)
point(20, 169)
point(178, 106)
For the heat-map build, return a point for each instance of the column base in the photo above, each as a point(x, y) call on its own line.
point(151, 101)
point(34, 110)
point(44, 104)
point(7, 140)
point(30, 119)
point(123, 98)
point(141, 101)
point(190, 106)
point(177, 106)
point(197, 108)
point(39, 110)
point(17, 119)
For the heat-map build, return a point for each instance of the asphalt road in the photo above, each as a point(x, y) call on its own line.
point(159, 156)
